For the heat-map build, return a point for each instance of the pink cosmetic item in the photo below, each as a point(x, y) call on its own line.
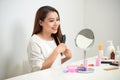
point(90, 65)
point(72, 68)
point(98, 61)
point(86, 64)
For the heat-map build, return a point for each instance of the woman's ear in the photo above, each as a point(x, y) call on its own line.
point(40, 22)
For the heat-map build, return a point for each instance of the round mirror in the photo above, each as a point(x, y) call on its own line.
point(84, 40)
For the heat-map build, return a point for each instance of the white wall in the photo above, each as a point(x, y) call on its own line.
point(103, 16)
point(16, 24)
point(17, 19)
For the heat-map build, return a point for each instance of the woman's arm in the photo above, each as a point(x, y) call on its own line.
point(67, 54)
point(49, 61)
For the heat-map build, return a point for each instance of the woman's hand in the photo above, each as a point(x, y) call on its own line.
point(49, 61)
point(61, 48)
point(67, 54)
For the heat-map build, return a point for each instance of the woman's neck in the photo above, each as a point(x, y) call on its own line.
point(45, 36)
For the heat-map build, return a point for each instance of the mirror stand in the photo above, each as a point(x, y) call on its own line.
point(84, 55)
point(85, 62)
point(84, 40)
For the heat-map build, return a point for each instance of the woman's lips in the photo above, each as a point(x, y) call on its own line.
point(54, 28)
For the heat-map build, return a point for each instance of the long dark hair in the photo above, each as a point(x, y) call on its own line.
point(41, 15)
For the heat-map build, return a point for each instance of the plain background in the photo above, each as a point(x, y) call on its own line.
point(17, 20)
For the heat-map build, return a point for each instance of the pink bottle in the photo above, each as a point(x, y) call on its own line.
point(98, 61)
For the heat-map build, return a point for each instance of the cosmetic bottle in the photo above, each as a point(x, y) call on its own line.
point(100, 51)
point(98, 61)
point(110, 48)
point(112, 55)
point(117, 54)
point(100, 55)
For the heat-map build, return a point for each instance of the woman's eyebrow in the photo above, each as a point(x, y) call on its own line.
point(53, 18)
point(50, 18)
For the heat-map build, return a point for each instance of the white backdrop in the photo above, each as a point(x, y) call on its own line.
point(17, 19)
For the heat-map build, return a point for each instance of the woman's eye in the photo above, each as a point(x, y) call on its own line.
point(58, 19)
point(51, 20)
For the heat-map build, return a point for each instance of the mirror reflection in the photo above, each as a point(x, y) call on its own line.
point(84, 39)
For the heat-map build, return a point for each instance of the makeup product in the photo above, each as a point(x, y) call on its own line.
point(91, 65)
point(115, 63)
point(98, 61)
point(110, 48)
point(72, 68)
point(112, 55)
point(86, 64)
point(65, 70)
point(81, 68)
point(117, 54)
point(100, 51)
point(111, 68)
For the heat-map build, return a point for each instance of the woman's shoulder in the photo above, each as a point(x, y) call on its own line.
point(34, 43)
point(35, 39)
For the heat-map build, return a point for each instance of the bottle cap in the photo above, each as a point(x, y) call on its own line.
point(100, 47)
point(113, 50)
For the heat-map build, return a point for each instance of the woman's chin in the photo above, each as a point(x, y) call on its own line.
point(54, 32)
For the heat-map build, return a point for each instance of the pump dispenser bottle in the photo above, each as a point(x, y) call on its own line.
point(110, 48)
point(100, 55)
point(117, 54)
point(100, 51)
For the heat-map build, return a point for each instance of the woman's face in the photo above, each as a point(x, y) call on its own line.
point(51, 23)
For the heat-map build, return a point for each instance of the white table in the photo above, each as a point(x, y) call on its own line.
point(58, 74)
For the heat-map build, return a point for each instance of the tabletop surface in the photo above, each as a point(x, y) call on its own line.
point(58, 74)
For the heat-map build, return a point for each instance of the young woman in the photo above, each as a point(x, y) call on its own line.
point(45, 47)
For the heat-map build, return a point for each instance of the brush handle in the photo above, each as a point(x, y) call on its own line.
point(63, 38)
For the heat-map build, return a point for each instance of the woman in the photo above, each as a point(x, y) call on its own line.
point(45, 47)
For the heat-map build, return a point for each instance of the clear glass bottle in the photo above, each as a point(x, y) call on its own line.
point(117, 54)
point(110, 48)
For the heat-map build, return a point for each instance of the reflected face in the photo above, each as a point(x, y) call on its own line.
point(51, 23)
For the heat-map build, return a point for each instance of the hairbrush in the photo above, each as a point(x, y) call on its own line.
point(63, 38)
